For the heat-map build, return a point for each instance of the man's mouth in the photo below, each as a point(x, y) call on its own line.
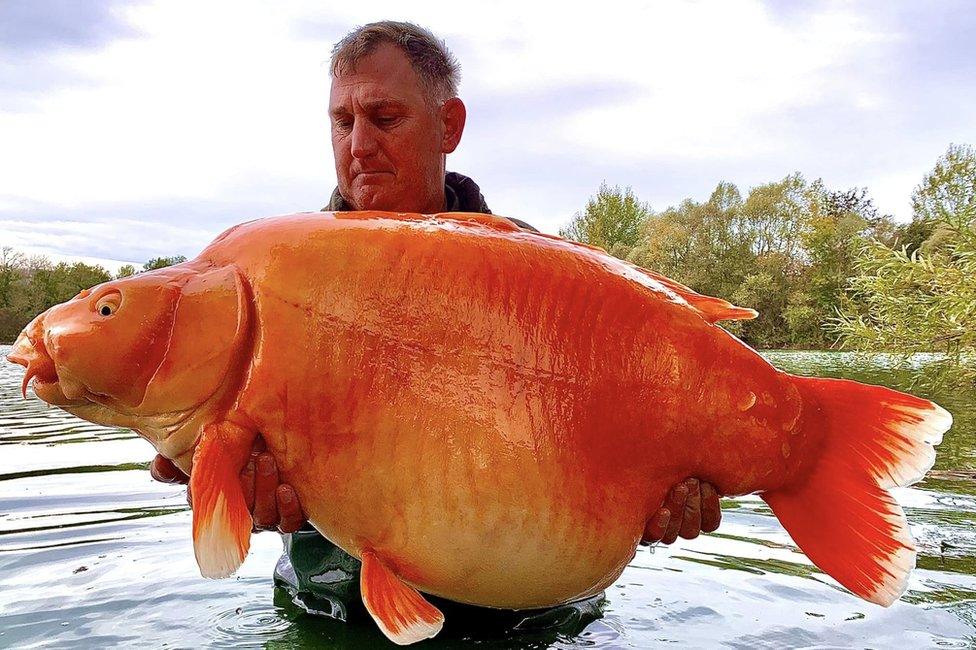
point(372, 175)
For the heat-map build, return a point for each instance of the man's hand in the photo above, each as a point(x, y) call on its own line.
point(692, 507)
point(273, 505)
point(163, 470)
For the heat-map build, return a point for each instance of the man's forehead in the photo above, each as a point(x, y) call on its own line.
point(384, 74)
point(371, 103)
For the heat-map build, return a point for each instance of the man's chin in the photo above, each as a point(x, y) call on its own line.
point(376, 192)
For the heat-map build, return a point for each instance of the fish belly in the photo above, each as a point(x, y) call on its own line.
point(508, 530)
point(497, 418)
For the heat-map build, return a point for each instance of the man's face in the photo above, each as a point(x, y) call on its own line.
point(389, 142)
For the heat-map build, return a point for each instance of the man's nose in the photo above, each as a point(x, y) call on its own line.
point(363, 139)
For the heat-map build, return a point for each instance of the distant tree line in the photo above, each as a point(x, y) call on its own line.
point(821, 265)
point(31, 284)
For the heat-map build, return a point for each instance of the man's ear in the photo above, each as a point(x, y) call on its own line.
point(209, 327)
point(453, 114)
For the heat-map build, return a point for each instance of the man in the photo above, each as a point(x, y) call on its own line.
point(395, 116)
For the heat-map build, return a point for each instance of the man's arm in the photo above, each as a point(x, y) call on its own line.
point(692, 507)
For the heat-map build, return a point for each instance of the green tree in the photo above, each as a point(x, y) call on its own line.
point(949, 190)
point(912, 235)
point(699, 244)
point(774, 216)
point(840, 224)
point(611, 220)
point(748, 251)
point(924, 300)
point(11, 275)
point(30, 285)
point(50, 285)
point(162, 262)
point(939, 199)
point(125, 271)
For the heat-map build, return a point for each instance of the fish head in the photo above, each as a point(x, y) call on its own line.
point(143, 352)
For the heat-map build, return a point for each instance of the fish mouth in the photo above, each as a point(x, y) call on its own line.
point(30, 352)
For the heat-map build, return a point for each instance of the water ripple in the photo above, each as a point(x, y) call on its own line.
point(95, 554)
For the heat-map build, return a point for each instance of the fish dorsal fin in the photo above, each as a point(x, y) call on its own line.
point(490, 220)
point(712, 309)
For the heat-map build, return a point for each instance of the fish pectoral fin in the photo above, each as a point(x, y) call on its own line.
point(403, 615)
point(221, 519)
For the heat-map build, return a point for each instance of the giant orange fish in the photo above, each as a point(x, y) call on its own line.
point(474, 411)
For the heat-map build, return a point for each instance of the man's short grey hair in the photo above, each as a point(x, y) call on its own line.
point(437, 68)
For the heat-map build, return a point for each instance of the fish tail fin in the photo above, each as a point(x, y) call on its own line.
point(840, 513)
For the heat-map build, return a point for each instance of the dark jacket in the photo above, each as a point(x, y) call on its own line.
point(461, 194)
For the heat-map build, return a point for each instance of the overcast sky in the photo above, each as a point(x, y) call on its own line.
point(130, 130)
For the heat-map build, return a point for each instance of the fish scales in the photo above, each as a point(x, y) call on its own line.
point(578, 337)
point(477, 412)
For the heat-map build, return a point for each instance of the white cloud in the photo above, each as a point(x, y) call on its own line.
point(223, 104)
point(211, 94)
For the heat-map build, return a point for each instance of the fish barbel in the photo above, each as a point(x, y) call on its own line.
point(475, 411)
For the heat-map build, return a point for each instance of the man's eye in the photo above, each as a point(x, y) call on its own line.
point(342, 124)
point(387, 120)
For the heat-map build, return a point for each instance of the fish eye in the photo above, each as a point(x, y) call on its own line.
point(108, 304)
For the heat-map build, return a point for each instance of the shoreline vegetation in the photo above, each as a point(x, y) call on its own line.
point(824, 269)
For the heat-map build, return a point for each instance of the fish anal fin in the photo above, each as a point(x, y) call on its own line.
point(840, 512)
point(402, 614)
point(221, 520)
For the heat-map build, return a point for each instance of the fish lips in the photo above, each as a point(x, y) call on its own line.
point(31, 353)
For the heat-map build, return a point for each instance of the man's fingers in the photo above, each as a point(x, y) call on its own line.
point(265, 512)
point(656, 526)
point(247, 482)
point(711, 508)
point(289, 509)
point(676, 506)
point(163, 470)
point(691, 518)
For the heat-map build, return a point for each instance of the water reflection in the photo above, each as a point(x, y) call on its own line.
point(94, 553)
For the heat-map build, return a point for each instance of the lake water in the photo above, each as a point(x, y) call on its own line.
point(94, 553)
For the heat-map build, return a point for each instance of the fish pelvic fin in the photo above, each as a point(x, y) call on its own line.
point(840, 513)
point(221, 519)
point(402, 614)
